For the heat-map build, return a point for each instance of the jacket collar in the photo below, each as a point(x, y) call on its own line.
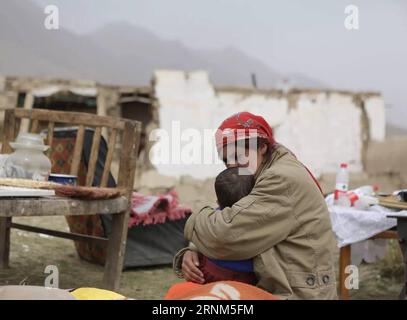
point(277, 152)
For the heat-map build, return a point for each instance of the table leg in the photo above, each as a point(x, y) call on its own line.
point(115, 251)
point(344, 261)
point(5, 224)
point(402, 231)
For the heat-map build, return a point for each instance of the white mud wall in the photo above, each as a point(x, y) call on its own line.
point(322, 128)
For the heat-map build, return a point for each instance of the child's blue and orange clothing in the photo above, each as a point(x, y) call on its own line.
point(220, 270)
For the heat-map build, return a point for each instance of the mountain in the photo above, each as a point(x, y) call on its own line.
point(395, 131)
point(118, 53)
point(28, 48)
point(143, 51)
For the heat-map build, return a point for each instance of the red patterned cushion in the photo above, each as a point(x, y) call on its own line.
point(61, 158)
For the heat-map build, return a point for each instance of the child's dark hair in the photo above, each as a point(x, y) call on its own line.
point(230, 186)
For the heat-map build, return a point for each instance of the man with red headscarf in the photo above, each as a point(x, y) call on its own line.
point(283, 223)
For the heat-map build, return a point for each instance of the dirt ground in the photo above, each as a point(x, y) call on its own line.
point(31, 253)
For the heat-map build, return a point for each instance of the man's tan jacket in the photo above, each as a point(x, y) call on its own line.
point(283, 223)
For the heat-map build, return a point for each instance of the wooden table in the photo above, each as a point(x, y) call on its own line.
point(55, 206)
point(389, 201)
point(345, 260)
point(402, 232)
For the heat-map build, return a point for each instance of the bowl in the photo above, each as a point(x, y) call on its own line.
point(402, 195)
point(63, 179)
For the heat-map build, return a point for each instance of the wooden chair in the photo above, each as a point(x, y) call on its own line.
point(129, 132)
point(345, 260)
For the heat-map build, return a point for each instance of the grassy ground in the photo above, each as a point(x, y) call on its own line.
point(31, 253)
point(382, 280)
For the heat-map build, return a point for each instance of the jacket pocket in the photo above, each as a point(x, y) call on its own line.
point(237, 208)
point(326, 277)
point(299, 279)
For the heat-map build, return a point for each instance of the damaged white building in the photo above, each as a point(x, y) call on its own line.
point(322, 127)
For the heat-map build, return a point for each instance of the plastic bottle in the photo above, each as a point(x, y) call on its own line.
point(367, 190)
point(364, 202)
point(342, 187)
point(365, 197)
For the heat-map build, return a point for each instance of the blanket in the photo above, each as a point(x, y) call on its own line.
point(220, 290)
point(152, 209)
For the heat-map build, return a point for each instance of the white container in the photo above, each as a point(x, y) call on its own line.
point(364, 202)
point(342, 186)
point(367, 190)
point(28, 160)
point(363, 197)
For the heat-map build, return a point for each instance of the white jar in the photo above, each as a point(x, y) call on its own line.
point(28, 160)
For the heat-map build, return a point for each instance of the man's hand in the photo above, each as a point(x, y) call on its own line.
point(190, 264)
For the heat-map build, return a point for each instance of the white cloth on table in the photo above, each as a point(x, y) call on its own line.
point(352, 226)
point(3, 158)
point(368, 250)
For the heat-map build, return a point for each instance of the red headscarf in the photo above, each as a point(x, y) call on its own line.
point(244, 125)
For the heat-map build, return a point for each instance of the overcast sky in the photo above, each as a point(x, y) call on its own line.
point(291, 36)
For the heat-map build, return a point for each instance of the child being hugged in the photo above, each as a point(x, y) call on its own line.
point(230, 187)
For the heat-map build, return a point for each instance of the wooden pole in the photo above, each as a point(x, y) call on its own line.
point(28, 105)
point(254, 81)
point(344, 261)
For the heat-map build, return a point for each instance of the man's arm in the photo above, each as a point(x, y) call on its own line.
point(254, 224)
point(179, 256)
